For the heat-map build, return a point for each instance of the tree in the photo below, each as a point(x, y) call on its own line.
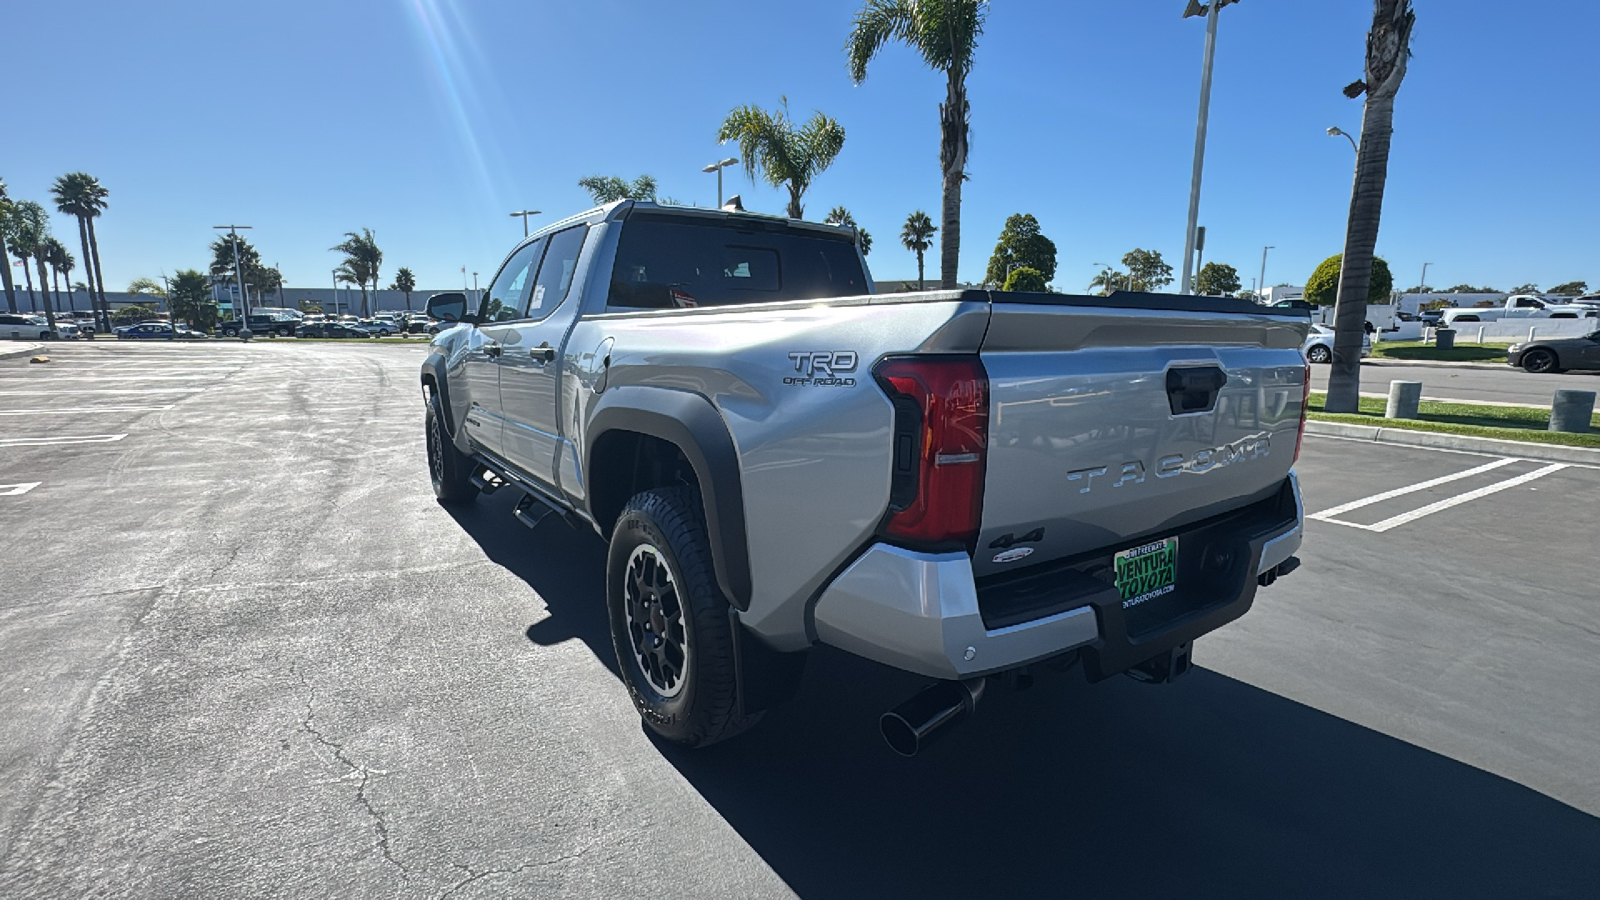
point(786, 156)
point(1252, 296)
point(917, 236)
point(41, 259)
point(1323, 287)
point(1021, 244)
point(609, 188)
point(1108, 282)
point(945, 34)
point(362, 259)
point(841, 216)
point(1460, 289)
point(27, 225)
point(1217, 279)
point(1147, 270)
point(81, 195)
point(404, 282)
point(148, 286)
point(1025, 278)
point(1525, 289)
point(224, 267)
point(190, 299)
point(1388, 51)
point(5, 262)
point(133, 313)
point(1571, 289)
point(62, 262)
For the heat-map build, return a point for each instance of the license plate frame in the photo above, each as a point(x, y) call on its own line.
point(1146, 572)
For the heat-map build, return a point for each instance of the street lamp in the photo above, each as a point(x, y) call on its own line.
point(1336, 131)
point(525, 213)
point(1263, 281)
point(1422, 286)
point(1210, 11)
point(717, 167)
point(238, 271)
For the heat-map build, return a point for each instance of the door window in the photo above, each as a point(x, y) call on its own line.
point(555, 274)
point(508, 294)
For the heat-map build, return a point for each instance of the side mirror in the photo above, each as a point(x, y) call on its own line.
point(450, 306)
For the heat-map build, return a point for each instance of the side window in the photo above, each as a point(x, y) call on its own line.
point(507, 296)
point(555, 274)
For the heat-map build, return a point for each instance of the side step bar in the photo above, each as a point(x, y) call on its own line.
point(533, 507)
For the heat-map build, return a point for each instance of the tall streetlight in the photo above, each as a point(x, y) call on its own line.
point(1210, 11)
point(335, 296)
point(525, 213)
point(717, 167)
point(1422, 285)
point(238, 271)
point(1336, 131)
point(1263, 281)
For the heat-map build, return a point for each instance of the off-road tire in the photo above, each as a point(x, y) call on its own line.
point(704, 706)
point(1541, 362)
point(449, 469)
point(1319, 354)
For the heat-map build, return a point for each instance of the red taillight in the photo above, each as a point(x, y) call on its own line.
point(1305, 402)
point(941, 445)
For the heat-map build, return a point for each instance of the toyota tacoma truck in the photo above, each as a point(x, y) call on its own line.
point(962, 484)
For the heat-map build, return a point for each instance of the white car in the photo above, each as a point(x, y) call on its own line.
point(1318, 347)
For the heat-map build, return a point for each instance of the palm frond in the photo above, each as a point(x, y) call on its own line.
point(876, 23)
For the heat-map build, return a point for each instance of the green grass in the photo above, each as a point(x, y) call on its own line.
point(1506, 423)
point(1416, 350)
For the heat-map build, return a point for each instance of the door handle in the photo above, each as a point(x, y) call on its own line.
point(491, 349)
point(544, 352)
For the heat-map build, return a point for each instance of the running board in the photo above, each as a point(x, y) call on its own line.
point(487, 481)
point(530, 511)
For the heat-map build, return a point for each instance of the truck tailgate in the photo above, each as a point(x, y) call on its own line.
point(1113, 425)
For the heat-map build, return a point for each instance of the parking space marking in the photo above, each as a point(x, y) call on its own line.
point(49, 441)
point(175, 390)
point(1449, 502)
point(75, 410)
point(17, 490)
point(1328, 514)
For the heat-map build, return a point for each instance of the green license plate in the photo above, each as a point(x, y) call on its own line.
point(1147, 572)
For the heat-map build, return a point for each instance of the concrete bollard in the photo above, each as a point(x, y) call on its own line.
point(1572, 411)
point(1445, 339)
point(1404, 397)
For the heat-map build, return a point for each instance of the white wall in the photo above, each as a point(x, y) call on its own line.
point(1518, 329)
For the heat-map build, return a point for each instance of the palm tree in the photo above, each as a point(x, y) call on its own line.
point(608, 188)
point(787, 156)
point(361, 261)
point(5, 262)
point(841, 216)
point(41, 258)
point(226, 268)
point(60, 261)
point(81, 195)
point(404, 282)
point(1388, 51)
point(945, 33)
point(190, 299)
point(917, 236)
point(27, 226)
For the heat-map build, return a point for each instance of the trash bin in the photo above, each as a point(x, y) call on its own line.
point(1445, 339)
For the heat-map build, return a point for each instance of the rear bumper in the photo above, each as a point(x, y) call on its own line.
point(925, 613)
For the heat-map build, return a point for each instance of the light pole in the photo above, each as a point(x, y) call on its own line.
point(335, 295)
point(525, 213)
point(1263, 281)
point(717, 167)
point(1422, 286)
point(238, 271)
point(1336, 131)
point(1210, 11)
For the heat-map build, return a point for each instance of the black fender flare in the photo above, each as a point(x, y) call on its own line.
point(433, 372)
point(691, 423)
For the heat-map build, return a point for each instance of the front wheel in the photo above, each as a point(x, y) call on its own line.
point(1540, 361)
point(449, 469)
point(669, 621)
point(1319, 354)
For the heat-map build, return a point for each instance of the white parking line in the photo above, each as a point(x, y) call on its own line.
point(1328, 514)
point(1430, 509)
point(17, 490)
point(176, 390)
point(75, 410)
point(49, 441)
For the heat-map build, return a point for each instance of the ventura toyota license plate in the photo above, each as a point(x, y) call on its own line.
point(1147, 572)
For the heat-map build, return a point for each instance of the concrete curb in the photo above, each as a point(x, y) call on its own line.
point(6, 352)
point(1437, 441)
point(1434, 364)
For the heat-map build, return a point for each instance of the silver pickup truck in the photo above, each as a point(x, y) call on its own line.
point(960, 484)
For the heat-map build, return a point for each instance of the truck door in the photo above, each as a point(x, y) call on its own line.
point(530, 360)
point(503, 302)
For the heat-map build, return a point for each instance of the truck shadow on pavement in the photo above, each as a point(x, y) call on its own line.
point(1205, 788)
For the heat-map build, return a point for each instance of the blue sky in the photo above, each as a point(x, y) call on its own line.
point(430, 120)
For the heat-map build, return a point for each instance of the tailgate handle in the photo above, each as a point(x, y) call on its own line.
point(1194, 389)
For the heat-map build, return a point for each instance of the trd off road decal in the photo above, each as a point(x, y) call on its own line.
point(1147, 572)
point(823, 368)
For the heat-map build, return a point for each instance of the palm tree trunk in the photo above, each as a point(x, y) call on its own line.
point(88, 274)
point(953, 163)
point(408, 301)
point(33, 305)
point(796, 211)
point(72, 302)
point(44, 288)
point(364, 313)
point(5, 275)
point(99, 276)
point(920, 285)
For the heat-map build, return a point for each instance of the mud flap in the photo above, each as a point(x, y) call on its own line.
point(766, 677)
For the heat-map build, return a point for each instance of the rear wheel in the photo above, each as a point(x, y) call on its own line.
point(1540, 361)
point(449, 469)
point(1319, 354)
point(669, 620)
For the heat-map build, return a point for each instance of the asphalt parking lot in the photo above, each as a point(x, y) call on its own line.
point(248, 655)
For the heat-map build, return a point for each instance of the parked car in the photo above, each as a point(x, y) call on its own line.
point(1294, 303)
point(26, 326)
point(1556, 354)
point(267, 325)
point(148, 331)
point(420, 325)
point(1318, 347)
point(1431, 317)
point(332, 330)
point(1517, 306)
point(379, 327)
point(957, 484)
